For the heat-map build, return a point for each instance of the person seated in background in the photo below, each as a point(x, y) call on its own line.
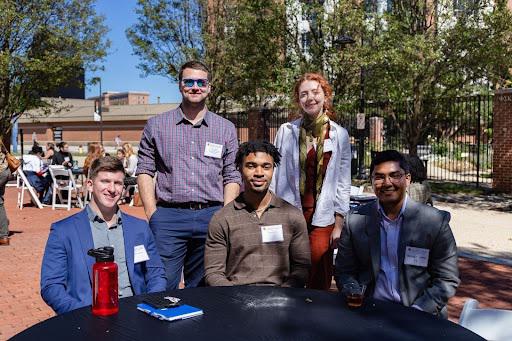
point(66, 268)
point(50, 151)
point(419, 189)
point(257, 239)
point(130, 167)
point(93, 153)
point(403, 251)
point(63, 156)
point(131, 160)
point(120, 155)
point(37, 174)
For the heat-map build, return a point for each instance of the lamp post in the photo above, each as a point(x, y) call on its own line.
point(100, 99)
point(361, 171)
point(342, 41)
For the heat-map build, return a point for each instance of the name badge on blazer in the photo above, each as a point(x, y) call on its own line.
point(328, 145)
point(416, 256)
point(140, 254)
point(272, 233)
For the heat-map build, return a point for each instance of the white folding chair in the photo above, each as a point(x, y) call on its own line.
point(22, 184)
point(65, 182)
point(491, 324)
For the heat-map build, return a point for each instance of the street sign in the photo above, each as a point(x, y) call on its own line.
point(360, 121)
point(97, 116)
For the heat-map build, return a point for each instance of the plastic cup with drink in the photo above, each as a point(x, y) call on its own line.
point(354, 294)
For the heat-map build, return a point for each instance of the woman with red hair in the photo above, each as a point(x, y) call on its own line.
point(314, 173)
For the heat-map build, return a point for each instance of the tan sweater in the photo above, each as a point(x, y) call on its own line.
point(236, 255)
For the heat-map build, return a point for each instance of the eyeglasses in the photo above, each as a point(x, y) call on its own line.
point(189, 82)
point(393, 177)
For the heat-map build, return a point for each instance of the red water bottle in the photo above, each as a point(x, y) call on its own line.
point(105, 299)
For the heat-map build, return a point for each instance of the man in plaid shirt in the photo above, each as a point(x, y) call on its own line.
point(191, 151)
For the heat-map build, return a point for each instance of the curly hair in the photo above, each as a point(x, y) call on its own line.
point(249, 147)
point(313, 76)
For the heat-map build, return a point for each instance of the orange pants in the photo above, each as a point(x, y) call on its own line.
point(320, 276)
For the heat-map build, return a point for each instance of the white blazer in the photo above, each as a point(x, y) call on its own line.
point(335, 194)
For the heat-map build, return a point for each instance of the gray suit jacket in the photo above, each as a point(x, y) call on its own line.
point(423, 226)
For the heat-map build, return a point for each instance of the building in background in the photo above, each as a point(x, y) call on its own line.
point(109, 98)
point(74, 121)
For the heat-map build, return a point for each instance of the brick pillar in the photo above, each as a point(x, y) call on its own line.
point(376, 138)
point(258, 129)
point(502, 141)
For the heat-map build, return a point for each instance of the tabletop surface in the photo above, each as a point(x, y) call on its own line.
point(254, 313)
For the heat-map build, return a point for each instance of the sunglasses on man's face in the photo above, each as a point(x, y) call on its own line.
point(188, 82)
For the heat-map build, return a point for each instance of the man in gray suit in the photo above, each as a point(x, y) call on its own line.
point(403, 251)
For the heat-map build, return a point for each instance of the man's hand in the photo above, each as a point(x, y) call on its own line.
point(149, 212)
point(336, 232)
point(147, 193)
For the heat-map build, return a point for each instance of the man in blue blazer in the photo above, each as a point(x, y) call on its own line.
point(403, 251)
point(66, 273)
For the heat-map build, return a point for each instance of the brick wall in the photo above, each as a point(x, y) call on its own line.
point(502, 141)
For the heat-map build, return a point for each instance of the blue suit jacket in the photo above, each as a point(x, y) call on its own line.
point(66, 272)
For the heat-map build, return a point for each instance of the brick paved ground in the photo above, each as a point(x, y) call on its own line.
point(21, 305)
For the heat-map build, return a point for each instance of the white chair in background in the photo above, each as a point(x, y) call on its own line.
point(354, 190)
point(491, 324)
point(22, 184)
point(65, 182)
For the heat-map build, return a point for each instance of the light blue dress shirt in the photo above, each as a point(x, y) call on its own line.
point(387, 286)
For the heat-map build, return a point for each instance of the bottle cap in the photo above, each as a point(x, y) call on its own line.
point(102, 254)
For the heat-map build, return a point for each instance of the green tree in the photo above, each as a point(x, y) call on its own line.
point(44, 45)
point(240, 41)
point(167, 34)
point(421, 51)
point(314, 37)
point(254, 72)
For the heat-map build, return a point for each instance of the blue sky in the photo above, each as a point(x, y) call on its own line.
point(121, 73)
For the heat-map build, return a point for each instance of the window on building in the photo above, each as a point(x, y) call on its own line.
point(466, 7)
point(306, 42)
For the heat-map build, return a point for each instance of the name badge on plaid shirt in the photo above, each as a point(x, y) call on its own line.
point(213, 150)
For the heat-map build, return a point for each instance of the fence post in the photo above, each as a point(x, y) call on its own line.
point(478, 143)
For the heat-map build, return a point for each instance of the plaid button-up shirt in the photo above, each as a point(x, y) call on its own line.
point(174, 149)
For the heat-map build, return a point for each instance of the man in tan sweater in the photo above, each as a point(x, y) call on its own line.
point(257, 239)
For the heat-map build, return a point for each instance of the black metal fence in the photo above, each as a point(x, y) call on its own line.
point(452, 135)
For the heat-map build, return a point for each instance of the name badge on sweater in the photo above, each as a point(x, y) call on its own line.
point(213, 150)
point(140, 254)
point(416, 256)
point(272, 233)
point(328, 146)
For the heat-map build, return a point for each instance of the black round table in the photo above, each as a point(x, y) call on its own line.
point(254, 313)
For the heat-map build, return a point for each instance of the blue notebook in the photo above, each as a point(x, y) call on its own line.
point(171, 314)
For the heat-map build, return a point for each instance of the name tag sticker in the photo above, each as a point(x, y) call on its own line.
point(416, 256)
point(140, 254)
point(66, 158)
point(272, 233)
point(328, 147)
point(213, 150)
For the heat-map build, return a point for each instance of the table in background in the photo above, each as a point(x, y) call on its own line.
point(254, 313)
